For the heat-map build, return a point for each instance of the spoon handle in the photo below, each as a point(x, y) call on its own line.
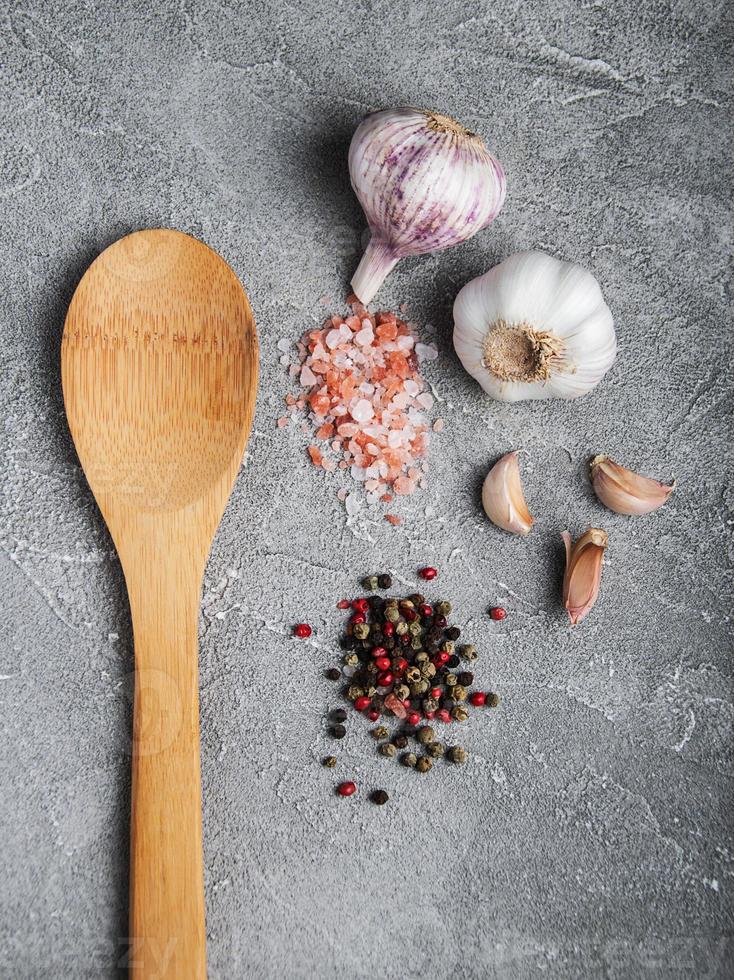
point(167, 920)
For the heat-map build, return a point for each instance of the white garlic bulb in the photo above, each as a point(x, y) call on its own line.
point(424, 183)
point(534, 327)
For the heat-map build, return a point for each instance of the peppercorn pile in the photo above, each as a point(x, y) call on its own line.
point(402, 663)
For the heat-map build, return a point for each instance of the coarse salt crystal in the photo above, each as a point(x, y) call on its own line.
point(426, 400)
point(362, 411)
point(308, 378)
point(426, 352)
point(438, 425)
point(352, 504)
point(333, 339)
point(284, 344)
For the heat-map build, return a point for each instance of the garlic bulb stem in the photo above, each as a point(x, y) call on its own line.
point(378, 261)
point(424, 183)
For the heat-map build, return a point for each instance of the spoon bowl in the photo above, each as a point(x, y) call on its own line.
point(159, 370)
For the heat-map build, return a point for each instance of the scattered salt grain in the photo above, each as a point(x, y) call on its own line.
point(284, 344)
point(426, 352)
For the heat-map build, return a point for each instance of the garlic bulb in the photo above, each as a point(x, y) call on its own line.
point(424, 183)
point(624, 491)
point(534, 327)
point(503, 499)
point(582, 578)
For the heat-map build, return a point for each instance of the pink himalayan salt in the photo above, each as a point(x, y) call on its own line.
point(393, 519)
point(282, 423)
point(361, 383)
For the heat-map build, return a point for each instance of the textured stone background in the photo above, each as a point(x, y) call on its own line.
point(591, 833)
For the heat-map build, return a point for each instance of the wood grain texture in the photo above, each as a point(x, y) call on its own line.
point(159, 371)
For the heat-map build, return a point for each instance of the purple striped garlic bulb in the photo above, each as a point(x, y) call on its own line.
point(424, 183)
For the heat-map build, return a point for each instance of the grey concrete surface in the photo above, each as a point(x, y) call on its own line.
point(590, 834)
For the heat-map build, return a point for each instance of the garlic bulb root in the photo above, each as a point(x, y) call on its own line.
point(582, 577)
point(624, 491)
point(534, 327)
point(503, 499)
point(425, 182)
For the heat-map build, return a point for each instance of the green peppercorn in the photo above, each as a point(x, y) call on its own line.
point(430, 704)
point(380, 732)
point(435, 750)
point(412, 675)
point(469, 652)
point(401, 691)
point(417, 599)
point(493, 700)
point(428, 670)
point(425, 735)
point(384, 581)
point(350, 659)
point(329, 761)
point(338, 731)
point(450, 680)
point(466, 678)
point(456, 754)
point(408, 759)
point(406, 604)
point(371, 668)
point(361, 631)
point(392, 614)
point(458, 693)
point(421, 658)
point(371, 692)
point(416, 643)
point(400, 740)
point(370, 583)
point(333, 674)
point(415, 628)
point(354, 692)
point(459, 712)
point(416, 689)
point(388, 749)
point(379, 797)
point(423, 764)
point(401, 628)
point(448, 646)
point(442, 608)
point(423, 684)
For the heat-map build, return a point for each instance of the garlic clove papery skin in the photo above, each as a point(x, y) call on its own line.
point(534, 327)
point(503, 499)
point(424, 183)
point(624, 491)
point(582, 577)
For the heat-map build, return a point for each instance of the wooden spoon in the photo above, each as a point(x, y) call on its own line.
point(159, 370)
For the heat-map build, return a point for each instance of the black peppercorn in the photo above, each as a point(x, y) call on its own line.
point(379, 797)
point(333, 674)
point(389, 642)
point(465, 678)
point(339, 714)
point(453, 632)
point(338, 731)
point(377, 603)
point(384, 581)
point(400, 741)
point(439, 621)
point(348, 643)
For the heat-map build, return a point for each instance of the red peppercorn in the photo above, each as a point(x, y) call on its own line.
point(343, 604)
point(388, 628)
point(400, 665)
point(410, 615)
point(436, 693)
point(302, 630)
point(413, 718)
point(405, 640)
point(358, 617)
point(406, 704)
point(497, 613)
point(385, 679)
point(430, 715)
point(428, 573)
point(426, 610)
point(378, 652)
point(443, 715)
point(478, 698)
point(361, 605)
point(442, 657)
point(346, 789)
point(383, 663)
point(362, 702)
point(373, 714)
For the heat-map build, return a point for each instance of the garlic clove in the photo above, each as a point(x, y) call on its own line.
point(583, 572)
point(503, 499)
point(624, 491)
